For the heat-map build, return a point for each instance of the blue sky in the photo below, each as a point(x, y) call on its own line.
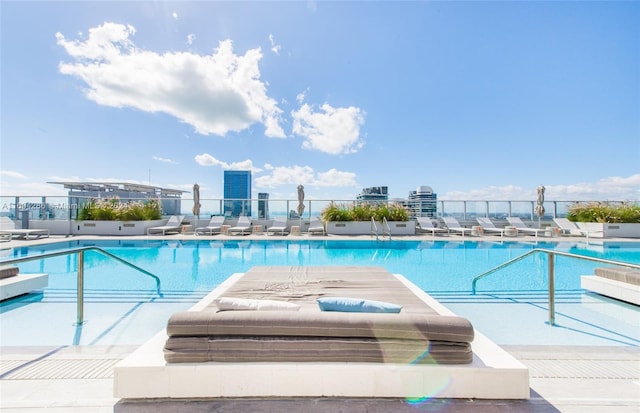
point(479, 100)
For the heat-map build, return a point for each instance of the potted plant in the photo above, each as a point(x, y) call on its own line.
point(607, 219)
point(355, 219)
point(112, 217)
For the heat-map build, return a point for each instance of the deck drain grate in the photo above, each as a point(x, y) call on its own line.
point(583, 369)
point(60, 369)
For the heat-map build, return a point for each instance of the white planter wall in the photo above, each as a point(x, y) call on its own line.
point(598, 230)
point(364, 228)
point(113, 227)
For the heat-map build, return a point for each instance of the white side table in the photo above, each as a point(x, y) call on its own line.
point(510, 231)
point(295, 230)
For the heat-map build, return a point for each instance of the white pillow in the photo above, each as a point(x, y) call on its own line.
point(231, 303)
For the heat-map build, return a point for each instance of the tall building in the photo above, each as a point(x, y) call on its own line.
point(237, 193)
point(423, 202)
point(263, 205)
point(374, 194)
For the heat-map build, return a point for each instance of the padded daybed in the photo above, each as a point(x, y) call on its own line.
point(293, 328)
point(615, 282)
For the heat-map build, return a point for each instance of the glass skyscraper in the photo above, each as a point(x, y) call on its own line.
point(237, 193)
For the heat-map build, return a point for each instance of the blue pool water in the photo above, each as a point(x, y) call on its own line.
point(122, 305)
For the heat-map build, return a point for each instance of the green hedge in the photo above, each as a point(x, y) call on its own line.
point(604, 212)
point(364, 212)
point(111, 209)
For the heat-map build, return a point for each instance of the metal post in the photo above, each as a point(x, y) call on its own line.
point(80, 301)
point(552, 289)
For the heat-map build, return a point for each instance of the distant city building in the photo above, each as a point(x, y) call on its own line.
point(237, 193)
point(374, 194)
point(80, 192)
point(263, 205)
point(423, 202)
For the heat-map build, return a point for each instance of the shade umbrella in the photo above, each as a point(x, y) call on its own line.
point(196, 201)
point(540, 203)
point(300, 200)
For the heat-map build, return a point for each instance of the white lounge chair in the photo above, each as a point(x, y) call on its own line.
point(173, 226)
point(570, 228)
point(8, 230)
point(454, 226)
point(279, 225)
point(242, 227)
point(425, 224)
point(522, 227)
point(213, 227)
point(489, 227)
point(316, 226)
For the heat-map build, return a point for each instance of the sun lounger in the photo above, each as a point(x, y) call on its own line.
point(173, 226)
point(213, 227)
point(489, 227)
point(454, 226)
point(279, 225)
point(425, 224)
point(8, 230)
point(316, 226)
point(522, 227)
point(570, 228)
point(261, 347)
point(242, 227)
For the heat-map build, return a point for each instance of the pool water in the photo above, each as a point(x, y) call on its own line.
point(122, 305)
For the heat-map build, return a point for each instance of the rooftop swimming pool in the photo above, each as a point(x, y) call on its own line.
point(122, 306)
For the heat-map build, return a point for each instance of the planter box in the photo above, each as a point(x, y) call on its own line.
point(113, 227)
point(364, 228)
point(597, 230)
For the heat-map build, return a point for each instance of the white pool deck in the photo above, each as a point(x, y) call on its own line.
point(81, 379)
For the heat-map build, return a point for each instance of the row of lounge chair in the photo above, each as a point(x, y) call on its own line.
point(242, 227)
point(452, 225)
point(8, 231)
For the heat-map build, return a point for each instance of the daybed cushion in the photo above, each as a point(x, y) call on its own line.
point(6, 272)
point(627, 275)
point(357, 305)
point(234, 303)
point(314, 349)
point(320, 324)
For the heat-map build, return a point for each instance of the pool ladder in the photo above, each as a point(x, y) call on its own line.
point(550, 272)
point(386, 229)
point(80, 251)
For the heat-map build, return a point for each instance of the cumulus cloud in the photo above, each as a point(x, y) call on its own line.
point(611, 188)
point(285, 175)
point(208, 160)
point(215, 93)
point(331, 130)
point(191, 38)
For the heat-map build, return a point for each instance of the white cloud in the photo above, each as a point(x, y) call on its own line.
point(331, 130)
point(191, 38)
point(275, 48)
point(12, 174)
point(174, 15)
point(611, 188)
point(165, 160)
point(215, 93)
point(208, 160)
point(305, 175)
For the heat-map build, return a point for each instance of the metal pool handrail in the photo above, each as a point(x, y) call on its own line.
point(551, 272)
point(80, 251)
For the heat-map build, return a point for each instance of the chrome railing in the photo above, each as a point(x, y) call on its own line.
point(80, 251)
point(550, 271)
